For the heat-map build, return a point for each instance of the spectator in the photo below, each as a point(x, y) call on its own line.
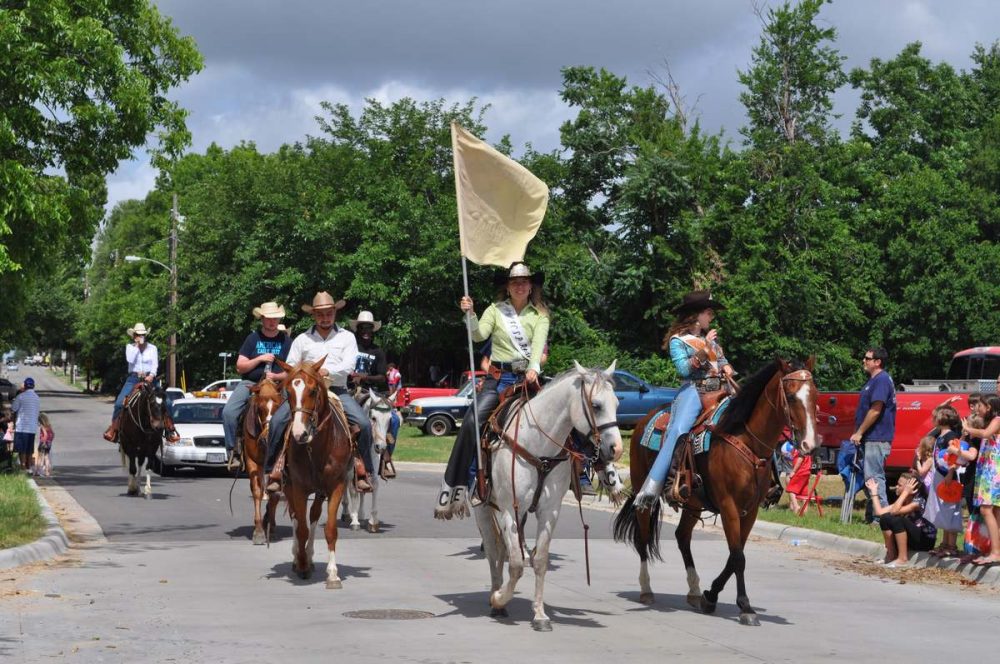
point(798, 481)
point(903, 524)
point(393, 378)
point(26, 407)
point(946, 516)
point(987, 490)
point(875, 423)
point(968, 473)
point(923, 460)
point(43, 466)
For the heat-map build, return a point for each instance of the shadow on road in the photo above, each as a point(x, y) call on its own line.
point(671, 603)
point(477, 605)
point(346, 572)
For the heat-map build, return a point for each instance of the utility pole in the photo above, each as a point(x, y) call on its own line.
point(174, 215)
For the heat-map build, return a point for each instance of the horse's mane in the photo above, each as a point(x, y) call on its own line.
point(596, 373)
point(745, 401)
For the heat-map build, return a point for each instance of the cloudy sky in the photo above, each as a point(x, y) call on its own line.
point(269, 63)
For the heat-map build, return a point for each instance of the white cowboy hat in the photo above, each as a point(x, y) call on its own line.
point(138, 329)
point(269, 310)
point(323, 300)
point(365, 317)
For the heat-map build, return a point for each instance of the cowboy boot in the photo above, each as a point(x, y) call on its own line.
point(274, 477)
point(679, 490)
point(361, 483)
point(111, 434)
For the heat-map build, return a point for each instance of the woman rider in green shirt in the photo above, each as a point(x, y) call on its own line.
point(517, 324)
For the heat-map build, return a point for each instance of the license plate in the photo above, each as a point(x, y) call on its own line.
point(217, 458)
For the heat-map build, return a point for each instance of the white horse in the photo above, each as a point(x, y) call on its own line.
point(378, 410)
point(581, 400)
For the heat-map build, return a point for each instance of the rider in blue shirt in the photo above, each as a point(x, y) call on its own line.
point(699, 360)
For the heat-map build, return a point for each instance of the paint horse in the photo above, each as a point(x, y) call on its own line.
point(735, 474)
point(317, 458)
point(378, 410)
point(144, 418)
point(531, 468)
point(265, 398)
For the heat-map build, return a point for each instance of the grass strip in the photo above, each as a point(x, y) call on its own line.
point(21, 519)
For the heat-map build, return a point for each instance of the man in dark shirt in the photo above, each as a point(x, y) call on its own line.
point(875, 421)
point(255, 361)
point(371, 368)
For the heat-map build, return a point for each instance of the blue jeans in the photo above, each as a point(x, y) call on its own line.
point(876, 452)
point(355, 415)
point(234, 407)
point(394, 422)
point(683, 412)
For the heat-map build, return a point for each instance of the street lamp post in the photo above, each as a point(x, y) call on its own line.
point(224, 356)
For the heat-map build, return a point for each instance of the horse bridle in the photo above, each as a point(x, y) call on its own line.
point(149, 411)
point(382, 405)
point(314, 427)
point(783, 407)
point(588, 412)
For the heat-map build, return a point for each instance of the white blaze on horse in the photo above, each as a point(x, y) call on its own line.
point(378, 410)
point(531, 470)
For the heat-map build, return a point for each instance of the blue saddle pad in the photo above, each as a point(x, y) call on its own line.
point(651, 438)
point(703, 440)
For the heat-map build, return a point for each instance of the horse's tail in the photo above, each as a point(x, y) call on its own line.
point(627, 529)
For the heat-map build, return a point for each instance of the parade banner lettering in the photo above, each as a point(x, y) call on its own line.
point(500, 202)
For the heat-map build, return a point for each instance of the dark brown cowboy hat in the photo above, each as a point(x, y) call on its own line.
point(696, 301)
point(517, 270)
point(323, 300)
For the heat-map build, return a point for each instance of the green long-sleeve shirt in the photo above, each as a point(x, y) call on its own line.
point(490, 326)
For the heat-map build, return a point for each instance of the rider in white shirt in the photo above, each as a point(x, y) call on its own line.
point(143, 362)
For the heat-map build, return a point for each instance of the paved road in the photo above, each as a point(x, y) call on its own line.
point(176, 579)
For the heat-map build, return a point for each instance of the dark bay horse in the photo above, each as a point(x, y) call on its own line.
point(735, 473)
point(144, 417)
point(317, 458)
point(265, 398)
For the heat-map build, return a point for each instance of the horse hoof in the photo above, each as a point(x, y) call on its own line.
point(646, 598)
point(259, 537)
point(373, 527)
point(707, 606)
point(334, 584)
point(147, 496)
point(498, 613)
point(304, 574)
point(749, 619)
point(541, 625)
point(694, 601)
point(355, 526)
point(133, 492)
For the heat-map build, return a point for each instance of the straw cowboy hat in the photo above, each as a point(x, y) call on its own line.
point(696, 301)
point(365, 317)
point(269, 310)
point(138, 329)
point(517, 270)
point(323, 300)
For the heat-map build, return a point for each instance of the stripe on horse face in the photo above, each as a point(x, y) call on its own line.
point(809, 441)
point(298, 419)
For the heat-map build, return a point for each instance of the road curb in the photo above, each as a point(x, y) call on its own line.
point(49, 545)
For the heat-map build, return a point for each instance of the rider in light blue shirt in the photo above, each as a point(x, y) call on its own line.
point(699, 360)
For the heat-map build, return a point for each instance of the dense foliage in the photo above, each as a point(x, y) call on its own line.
point(818, 243)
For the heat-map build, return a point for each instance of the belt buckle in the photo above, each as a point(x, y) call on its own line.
point(519, 366)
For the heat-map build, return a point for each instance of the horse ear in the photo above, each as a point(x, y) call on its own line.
point(284, 365)
point(392, 398)
point(786, 368)
point(609, 373)
point(810, 363)
point(372, 395)
point(579, 369)
point(318, 364)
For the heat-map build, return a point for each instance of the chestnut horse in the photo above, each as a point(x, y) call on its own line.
point(735, 474)
point(317, 458)
point(143, 419)
point(265, 398)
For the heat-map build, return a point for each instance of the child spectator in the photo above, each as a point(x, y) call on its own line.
point(968, 473)
point(903, 524)
point(923, 461)
point(945, 516)
point(43, 461)
point(987, 489)
point(798, 481)
point(393, 378)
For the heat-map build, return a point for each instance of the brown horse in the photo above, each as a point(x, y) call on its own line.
point(144, 418)
point(317, 458)
point(265, 399)
point(735, 474)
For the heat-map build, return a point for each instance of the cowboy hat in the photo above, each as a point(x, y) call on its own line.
point(517, 270)
point(138, 329)
point(323, 300)
point(698, 300)
point(365, 317)
point(269, 310)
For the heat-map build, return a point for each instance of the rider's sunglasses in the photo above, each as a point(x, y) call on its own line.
point(867, 358)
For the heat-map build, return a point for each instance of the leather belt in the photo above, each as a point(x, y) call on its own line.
point(512, 367)
point(711, 384)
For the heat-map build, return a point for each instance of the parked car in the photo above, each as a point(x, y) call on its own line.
point(636, 397)
point(7, 389)
point(202, 441)
point(175, 393)
point(218, 389)
point(439, 416)
point(13, 366)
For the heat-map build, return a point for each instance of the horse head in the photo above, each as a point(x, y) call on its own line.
point(379, 412)
point(595, 414)
point(799, 393)
point(307, 399)
point(268, 397)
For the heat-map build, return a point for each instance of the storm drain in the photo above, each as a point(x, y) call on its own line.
point(389, 614)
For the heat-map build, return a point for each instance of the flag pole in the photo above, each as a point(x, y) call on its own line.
point(480, 472)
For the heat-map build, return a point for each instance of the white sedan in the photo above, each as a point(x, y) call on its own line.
point(203, 441)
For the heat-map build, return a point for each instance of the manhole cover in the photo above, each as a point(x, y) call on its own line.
point(389, 614)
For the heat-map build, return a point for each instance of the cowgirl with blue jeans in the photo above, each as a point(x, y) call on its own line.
point(700, 362)
point(517, 325)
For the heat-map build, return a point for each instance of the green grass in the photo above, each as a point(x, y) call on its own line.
point(21, 519)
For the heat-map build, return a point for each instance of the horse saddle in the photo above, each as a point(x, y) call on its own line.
point(250, 425)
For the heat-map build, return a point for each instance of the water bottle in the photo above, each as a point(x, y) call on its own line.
point(799, 542)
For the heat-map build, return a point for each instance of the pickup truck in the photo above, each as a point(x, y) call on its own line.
point(974, 369)
point(407, 395)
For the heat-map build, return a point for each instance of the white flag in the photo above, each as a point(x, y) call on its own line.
point(500, 202)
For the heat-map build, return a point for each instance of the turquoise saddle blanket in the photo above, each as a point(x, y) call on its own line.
point(653, 438)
